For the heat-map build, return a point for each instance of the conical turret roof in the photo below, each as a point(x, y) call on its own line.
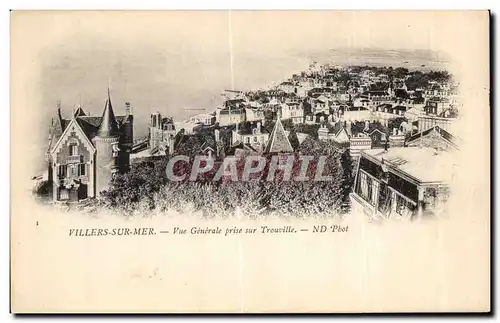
point(109, 126)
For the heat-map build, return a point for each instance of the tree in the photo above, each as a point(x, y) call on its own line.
point(400, 72)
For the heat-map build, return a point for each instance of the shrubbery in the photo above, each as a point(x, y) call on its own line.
point(146, 186)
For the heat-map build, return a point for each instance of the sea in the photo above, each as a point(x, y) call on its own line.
point(177, 84)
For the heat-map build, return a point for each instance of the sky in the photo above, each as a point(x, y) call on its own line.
point(178, 63)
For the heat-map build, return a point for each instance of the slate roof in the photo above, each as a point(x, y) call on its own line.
point(79, 112)
point(109, 125)
point(278, 140)
point(437, 129)
point(246, 128)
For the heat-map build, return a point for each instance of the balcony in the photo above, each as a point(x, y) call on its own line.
point(74, 159)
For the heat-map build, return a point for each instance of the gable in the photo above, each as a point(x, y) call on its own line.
point(434, 138)
point(279, 141)
point(72, 132)
point(342, 136)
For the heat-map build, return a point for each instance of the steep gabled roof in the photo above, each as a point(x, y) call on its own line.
point(56, 129)
point(278, 141)
point(79, 112)
point(73, 125)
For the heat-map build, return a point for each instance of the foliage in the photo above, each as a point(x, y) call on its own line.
point(379, 86)
point(310, 129)
point(43, 190)
point(421, 80)
point(147, 186)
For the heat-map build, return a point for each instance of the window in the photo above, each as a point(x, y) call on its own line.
point(365, 187)
point(74, 170)
point(62, 170)
point(254, 139)
point(403, 206)
point(248, 140)
point(82, 169)
point(73, 149)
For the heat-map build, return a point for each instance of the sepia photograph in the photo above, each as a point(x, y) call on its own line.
point(250, 161)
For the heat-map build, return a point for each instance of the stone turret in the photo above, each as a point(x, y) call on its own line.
point(107, 147)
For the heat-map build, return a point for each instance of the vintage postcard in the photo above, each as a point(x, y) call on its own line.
point(250, 161)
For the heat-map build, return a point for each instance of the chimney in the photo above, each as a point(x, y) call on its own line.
point(258, 127)
point(58, 108)
point(394, 131)
point(159, 121)
point(367, 126)
point(127, 109)
point(217, 135)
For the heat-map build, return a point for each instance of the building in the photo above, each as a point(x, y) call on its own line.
point(162, 133)
point(357, 114)
point(436, 106)
point(426, 122)
point(377, 96)
point(85, 152)
point(397, 138)
point(320, 104)
point(401, 183)
point(293, 111)
point(287, 87)
point(434, 137)
point(278, 140)
point(254, 114)
point(359, 143)
point(252, 134)
point(323, 132)
point(206, 119)
point(231, 115)
point(413, 114)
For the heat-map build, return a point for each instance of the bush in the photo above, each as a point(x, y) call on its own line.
point(146, 187)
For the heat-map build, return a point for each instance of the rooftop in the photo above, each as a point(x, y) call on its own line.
point(422, 164)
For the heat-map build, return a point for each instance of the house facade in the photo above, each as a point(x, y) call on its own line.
point(251, 134)
point(398, 184)
point(162, 133)
point(293, 111)
point(85, 152)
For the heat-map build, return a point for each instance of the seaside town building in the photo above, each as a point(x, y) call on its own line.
point(398, 183)
point(84, 152)
point(251, 134)
point(162, 133)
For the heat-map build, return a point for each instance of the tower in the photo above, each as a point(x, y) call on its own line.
point(107, 148)
point(278, 140)
point(126, 139)
point(155, 130)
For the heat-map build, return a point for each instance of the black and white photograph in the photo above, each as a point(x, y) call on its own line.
point(250, 161)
